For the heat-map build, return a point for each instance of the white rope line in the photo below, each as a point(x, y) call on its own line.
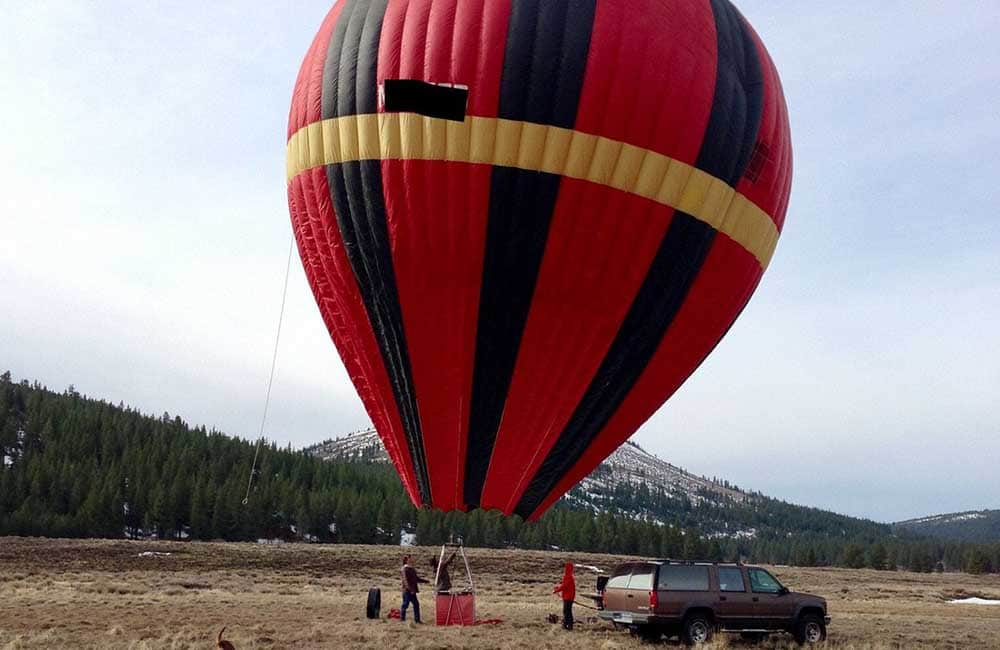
point(270, 379)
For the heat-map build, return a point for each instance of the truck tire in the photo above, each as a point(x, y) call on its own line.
point(374, 606)
point(810, 629)
point(698, 629)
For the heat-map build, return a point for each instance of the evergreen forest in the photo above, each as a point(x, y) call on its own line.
point(72, 466)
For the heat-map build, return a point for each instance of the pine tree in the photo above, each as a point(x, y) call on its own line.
point(977, 561)
point(200, 517)
point(854, 556)
point(877, 557)
point(222, 517)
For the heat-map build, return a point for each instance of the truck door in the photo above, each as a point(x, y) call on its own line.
point(735, 610)
point(771, 608)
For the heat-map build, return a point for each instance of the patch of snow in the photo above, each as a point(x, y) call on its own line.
point(8, 461)
point(750, 533)
point(407, 539)
point(354, 445)
point(944, 519)
point(588, 567)
point(264, 540)
point(154, 554)
point(138, 533)
point(974, 601)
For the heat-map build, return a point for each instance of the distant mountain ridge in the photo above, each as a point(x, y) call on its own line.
point(969, 526)
point(630, 464)
point(639, 485)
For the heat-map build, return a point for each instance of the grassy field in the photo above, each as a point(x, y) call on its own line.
point(105, 594)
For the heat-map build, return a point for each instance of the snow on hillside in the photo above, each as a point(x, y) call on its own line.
point(356, 445)
point(946, 519)
point(635, 466)
point(629, 465)
point(970, 526)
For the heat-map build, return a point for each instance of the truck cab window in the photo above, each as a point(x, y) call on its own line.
point(731, 579)
point(762, 582)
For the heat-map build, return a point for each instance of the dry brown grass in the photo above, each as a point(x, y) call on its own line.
point(101, 594)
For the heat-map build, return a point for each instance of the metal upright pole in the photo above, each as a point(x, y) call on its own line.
point(472, 585)
point(437, 572)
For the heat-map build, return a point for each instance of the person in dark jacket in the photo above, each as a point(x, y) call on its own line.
point(410, 588)
point(568, 590)
point(443, 585)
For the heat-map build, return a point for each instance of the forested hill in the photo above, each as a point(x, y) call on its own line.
point(77, 467)
point(71, 466)
point(971, 526)
point(634, 483)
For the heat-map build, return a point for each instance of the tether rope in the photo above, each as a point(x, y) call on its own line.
point(270, 379)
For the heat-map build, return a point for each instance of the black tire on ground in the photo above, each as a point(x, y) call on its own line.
point(698, 629)
point(810, 629)
point(374, 602)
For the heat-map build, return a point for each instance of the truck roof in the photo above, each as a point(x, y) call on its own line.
point(690, 562)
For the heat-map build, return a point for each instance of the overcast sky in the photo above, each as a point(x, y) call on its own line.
point(144, 233)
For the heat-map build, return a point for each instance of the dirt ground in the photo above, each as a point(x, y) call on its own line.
point(107, 594)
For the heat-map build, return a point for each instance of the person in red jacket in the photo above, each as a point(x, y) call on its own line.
point(568, 590)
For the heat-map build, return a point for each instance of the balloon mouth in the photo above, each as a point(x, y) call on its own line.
point(446, 101)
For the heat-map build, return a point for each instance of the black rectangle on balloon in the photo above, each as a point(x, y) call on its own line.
point(447, 102)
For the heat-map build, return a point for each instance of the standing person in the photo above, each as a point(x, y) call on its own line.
point(410, 589)
point(568, 590)
point(443, 585)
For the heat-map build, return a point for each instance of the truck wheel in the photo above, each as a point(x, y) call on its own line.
point(810, 629)
point(697, 630)
point(374, 603)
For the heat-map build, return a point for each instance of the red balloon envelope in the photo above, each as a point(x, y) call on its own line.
point(526, 223)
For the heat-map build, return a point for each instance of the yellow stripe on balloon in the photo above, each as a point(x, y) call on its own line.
point(538, 147)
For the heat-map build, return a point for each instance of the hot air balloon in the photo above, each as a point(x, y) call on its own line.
point(527, 222)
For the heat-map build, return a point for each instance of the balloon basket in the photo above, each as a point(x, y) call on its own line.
point(456, 609)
